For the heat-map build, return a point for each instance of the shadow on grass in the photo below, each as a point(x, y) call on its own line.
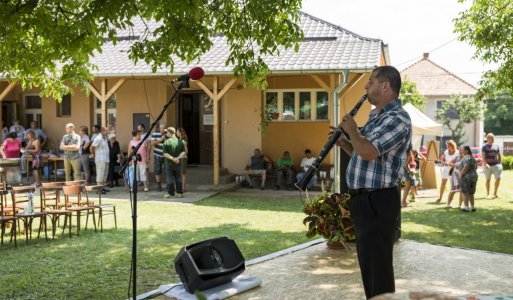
point(256, 202)
point(97, 266)
point(487, 229)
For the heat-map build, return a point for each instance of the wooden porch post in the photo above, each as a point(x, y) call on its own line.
point(216, 95)
point(4, 94)
point(104, 102)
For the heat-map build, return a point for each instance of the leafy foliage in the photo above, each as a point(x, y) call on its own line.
point(499, 115)
point(410, 94)
point(48, 43)
point(464, 110)
point(328, 216)
point(488, 26)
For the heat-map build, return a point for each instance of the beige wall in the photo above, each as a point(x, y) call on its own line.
point(239, 119)
point(140, 96)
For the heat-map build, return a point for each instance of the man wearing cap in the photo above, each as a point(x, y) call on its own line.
point(70, 144)
point(173, 151)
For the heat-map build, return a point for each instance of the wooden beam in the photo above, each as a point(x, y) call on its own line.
point(351, 84)
point(216, 131)
point(7, 90)
point(205, 89)
point(226, 88)
point(104, 102)
point(93, 89)
point(114, 88)
point(320, 82)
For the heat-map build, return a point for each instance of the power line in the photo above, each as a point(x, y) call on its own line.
point(418, 57)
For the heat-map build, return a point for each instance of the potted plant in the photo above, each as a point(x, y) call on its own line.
point(328, 216)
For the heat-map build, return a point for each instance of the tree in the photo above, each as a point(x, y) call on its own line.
point(498, 117)
point(488, 25)
point(410, 94)
point(45, 43)
point(458, 111)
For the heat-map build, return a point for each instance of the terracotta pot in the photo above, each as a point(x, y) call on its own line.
point(335, 245)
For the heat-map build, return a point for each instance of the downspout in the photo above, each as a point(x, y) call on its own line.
point(336, 121)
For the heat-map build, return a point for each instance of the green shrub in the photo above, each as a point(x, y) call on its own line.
point(507, 162)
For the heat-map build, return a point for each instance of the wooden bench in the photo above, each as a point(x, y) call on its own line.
point(270, 180)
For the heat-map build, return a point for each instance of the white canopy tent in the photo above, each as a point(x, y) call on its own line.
point(422, 125)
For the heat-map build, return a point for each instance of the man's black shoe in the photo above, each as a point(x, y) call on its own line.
point(276, 187)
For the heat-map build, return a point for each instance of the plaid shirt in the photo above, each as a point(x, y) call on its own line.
point(390, 133)
point(101, 149)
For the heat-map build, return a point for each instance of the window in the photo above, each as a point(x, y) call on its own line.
point(451, 113)
point(64, 108)
point(32, 102)
point(33, 110)
point(299, 105)
point(305, 104)
point(289, 106)
point(322, 105)
point(271, 102)
point(111, 111)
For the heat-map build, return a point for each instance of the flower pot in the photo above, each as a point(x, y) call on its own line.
point(335, 245)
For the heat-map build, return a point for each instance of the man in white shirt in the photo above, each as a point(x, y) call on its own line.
point(306, 163)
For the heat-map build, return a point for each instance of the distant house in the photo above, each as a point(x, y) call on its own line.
point(309, 89)
point(437, 84)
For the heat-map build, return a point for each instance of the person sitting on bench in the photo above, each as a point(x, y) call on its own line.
point(284, 166)
point(306, 163)
point(256, 165)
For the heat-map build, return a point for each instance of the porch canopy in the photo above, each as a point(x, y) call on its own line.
point(422, 124)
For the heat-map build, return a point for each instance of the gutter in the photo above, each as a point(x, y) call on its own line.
point(207, 73)
point(336, 121)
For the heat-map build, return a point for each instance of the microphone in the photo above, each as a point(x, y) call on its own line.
point(194, 74)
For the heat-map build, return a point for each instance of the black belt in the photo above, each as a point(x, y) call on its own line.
point(370, 190)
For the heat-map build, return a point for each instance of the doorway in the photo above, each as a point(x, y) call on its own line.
point(195, 116)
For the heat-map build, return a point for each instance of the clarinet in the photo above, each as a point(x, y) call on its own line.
point(301, 185)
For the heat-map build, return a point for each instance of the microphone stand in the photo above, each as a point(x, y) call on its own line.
point(133, 157)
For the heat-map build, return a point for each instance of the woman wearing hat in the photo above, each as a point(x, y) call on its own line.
point(11, 146)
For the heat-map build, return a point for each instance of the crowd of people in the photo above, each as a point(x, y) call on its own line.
point(100, 154)
point(459, 169)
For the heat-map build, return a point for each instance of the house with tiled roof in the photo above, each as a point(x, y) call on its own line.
point(437, 84)
point(309, 90)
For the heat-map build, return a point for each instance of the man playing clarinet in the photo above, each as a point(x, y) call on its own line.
point(378, 153)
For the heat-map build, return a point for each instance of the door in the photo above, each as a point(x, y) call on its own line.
point(195, 118)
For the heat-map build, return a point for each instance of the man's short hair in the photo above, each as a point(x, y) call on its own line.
point(390, 74)
point(70, 125)
point(490, 135)
point(308, 151)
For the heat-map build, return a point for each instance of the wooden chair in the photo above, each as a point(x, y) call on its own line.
point(81, 183)
point(75, 182)
point(52, 205)
point(20, 196)
point(50, 194)
point(76, 190)
point(111, 208)
point(6, 218)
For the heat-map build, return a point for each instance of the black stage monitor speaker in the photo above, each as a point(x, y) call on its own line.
point(209, 263)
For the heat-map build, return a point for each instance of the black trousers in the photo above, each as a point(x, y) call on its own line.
point(374, 216)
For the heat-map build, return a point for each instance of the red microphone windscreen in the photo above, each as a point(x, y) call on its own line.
point(196, 73)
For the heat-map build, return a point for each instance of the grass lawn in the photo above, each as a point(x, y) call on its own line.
point(490, 228)
point(96, 266)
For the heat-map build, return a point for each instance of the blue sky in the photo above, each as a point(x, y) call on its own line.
point(409, 27)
